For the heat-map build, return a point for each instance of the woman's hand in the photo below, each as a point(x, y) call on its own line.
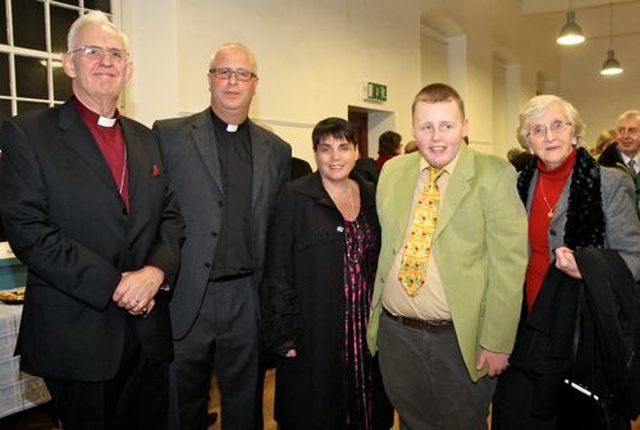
point(566, 262)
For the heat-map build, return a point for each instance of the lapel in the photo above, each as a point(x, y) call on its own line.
point(403, 191)
point(457, 189)
point(204, 140)
point(79, 139)
point(260, 152)
point(135, 159)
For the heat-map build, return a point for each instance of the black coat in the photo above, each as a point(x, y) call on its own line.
point(611, 157)
point(577, 330)
point(66, 222)
point(304, 308)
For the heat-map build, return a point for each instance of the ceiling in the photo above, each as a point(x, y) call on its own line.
point(547, 6)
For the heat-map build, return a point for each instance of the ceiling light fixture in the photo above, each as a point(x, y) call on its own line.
point(571, 33)
point(611, 66)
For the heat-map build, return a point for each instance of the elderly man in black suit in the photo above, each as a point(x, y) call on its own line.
point(227, 171)
point(89, 211)
point(624, 153)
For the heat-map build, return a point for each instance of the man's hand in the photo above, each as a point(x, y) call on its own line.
point(496, 361)
point(136, 290)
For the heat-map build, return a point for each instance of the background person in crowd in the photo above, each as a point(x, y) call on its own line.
point(227, 172)
point(604, 140)
point(388, 147)
point(89, 211)
point(519, 158)
point(445, 309)
point(323, 250)
point(299, 168)
point(627, 142)
point(573, 205)
point(625, 152)
point(367, 168)
point(411, 146)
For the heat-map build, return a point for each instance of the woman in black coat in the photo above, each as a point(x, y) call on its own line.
point(323, 249)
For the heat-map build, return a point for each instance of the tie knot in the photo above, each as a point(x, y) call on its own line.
point(632, 165)
point(434, 174)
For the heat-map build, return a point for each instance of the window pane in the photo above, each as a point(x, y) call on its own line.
point(27, 106)
point(61, 20)
point(4, 74)
point(103, 5)
point(31, 77)
point(28, 24)
point(5, 110)
point(61, 84)
point(3, 18)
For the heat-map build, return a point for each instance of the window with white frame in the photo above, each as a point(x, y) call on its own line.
point(32, 40)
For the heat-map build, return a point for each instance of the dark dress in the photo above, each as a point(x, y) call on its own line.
point(320, 276)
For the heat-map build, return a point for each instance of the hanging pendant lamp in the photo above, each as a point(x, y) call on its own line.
point(611, 66)
point(571, 33)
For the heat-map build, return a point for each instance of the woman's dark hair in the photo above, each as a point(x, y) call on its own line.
point(389, 142)
point(334, 127)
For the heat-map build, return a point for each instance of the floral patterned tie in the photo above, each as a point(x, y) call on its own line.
point(416, 251)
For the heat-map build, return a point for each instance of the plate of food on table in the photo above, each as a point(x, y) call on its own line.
point(13, 296)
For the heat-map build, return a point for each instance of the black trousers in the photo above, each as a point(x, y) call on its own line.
point(224, 338)
point(136, 398)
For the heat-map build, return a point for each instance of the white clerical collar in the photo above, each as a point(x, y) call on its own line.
point(232, 128)
point(107, 122)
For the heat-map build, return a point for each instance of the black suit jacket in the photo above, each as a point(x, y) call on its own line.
point(66, 222)
point(191, 154)
point(611, 157)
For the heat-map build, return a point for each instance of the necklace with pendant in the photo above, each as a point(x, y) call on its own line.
point(544, 196)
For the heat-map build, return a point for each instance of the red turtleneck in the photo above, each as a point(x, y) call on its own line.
point(545, 199)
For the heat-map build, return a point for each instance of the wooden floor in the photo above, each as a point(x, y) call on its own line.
point(267, 410)
point(42, 417)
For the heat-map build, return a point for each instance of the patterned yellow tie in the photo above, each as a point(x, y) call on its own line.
point(416, 252)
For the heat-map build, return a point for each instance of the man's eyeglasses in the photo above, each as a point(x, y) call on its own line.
point(556, 127)
point(630, 131)
point(93, 52)
point(225, 73)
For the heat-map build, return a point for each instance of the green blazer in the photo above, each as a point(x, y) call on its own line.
point(480, 246)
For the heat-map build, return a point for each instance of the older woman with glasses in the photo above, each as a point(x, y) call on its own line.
point(584, 253)
point(323, 251)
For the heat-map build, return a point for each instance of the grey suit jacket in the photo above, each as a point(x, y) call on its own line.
point(622, 226)
point(191, 156)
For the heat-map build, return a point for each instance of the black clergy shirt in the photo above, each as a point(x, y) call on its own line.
point(234, 253)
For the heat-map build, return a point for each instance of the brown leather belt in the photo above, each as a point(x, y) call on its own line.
point(433, 326)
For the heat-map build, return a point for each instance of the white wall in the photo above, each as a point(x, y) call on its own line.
point(495, 55)
point(601, 99)
point(315, 55)
point(313, 58)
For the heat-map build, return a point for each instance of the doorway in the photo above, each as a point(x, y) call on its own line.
point(360, 122)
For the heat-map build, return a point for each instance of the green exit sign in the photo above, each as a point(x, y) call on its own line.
point(376, 92)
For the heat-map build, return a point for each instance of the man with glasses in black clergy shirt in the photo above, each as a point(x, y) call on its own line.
point(89, 211)
point(227, 171)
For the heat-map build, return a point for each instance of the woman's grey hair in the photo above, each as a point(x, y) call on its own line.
point(94, 18)
point(537, 106)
